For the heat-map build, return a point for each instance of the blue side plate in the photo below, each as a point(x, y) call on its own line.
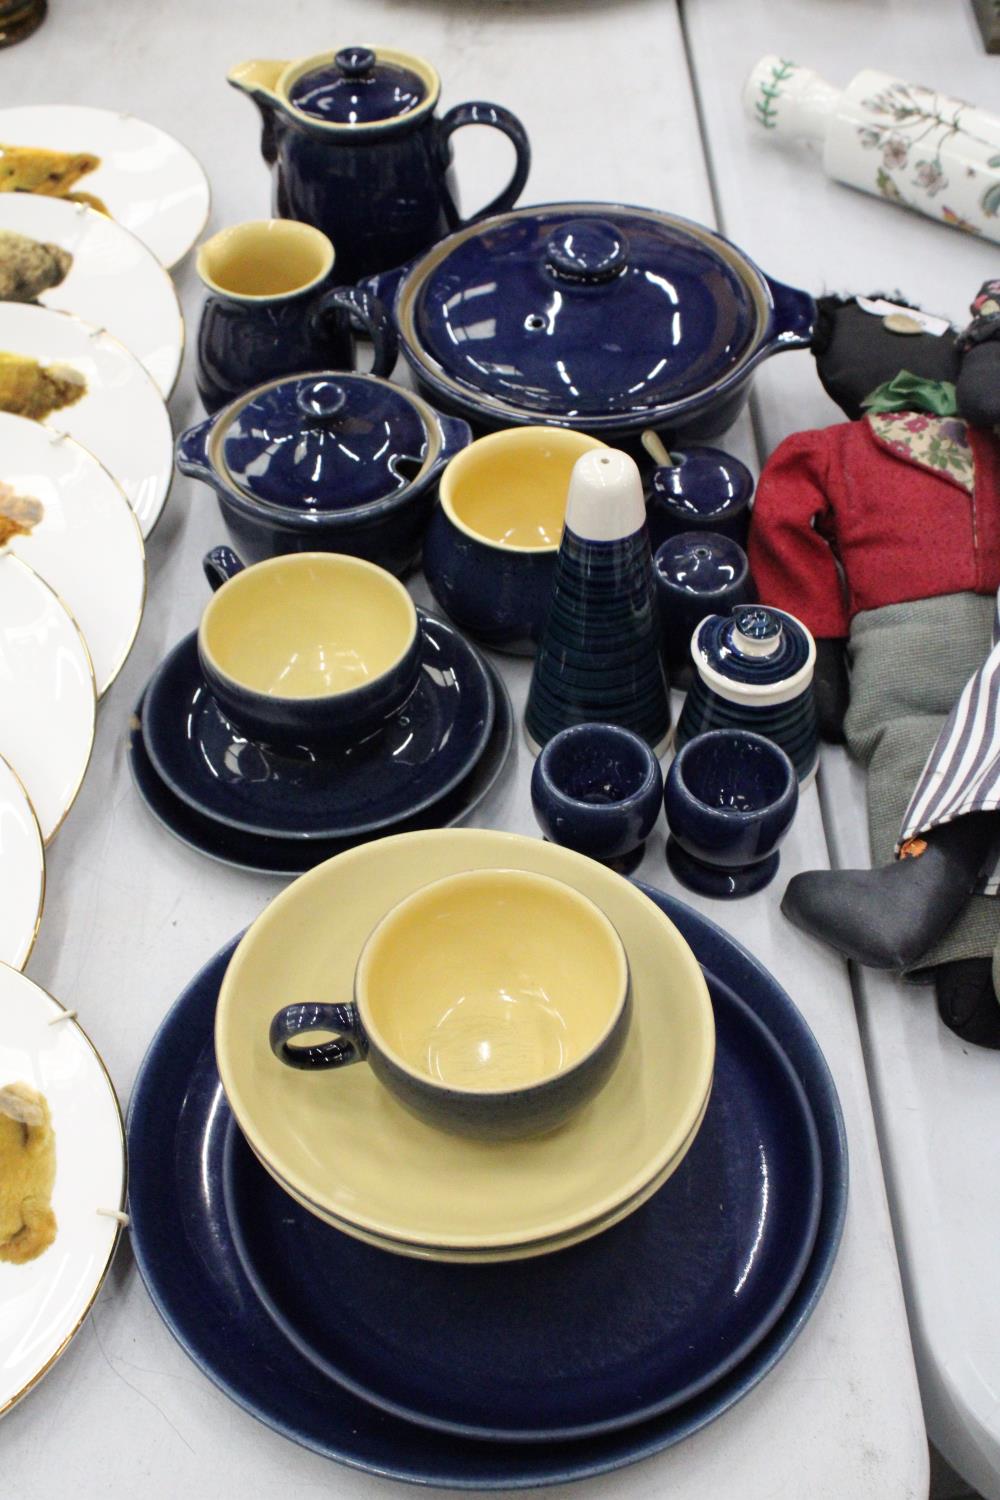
point(265, 855)
point(425, 750)
point(508, 1352)
point(178, 1127)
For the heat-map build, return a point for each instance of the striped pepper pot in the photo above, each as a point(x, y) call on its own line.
point(599, 654)
point(754, 670)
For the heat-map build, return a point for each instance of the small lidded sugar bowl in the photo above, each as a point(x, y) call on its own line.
point(754, 670)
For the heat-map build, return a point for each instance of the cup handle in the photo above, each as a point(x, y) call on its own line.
point(500, 119)
point(220, 565)
point(366, 309)
point(348, 1046)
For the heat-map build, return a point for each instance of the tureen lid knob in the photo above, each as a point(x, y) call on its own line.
point(587, 250)
point(756, 631)
point(355, 62)
point(323, 399)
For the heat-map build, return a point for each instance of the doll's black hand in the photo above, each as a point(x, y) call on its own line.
point(831, 688)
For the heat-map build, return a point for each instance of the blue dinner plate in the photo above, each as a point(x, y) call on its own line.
point(502, 1352)
point(264, 855)
point(422, 754)
point(178, 1127)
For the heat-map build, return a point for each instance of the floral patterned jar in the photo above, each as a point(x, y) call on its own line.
point(902, 141)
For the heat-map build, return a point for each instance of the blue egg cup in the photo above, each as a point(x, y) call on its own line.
point(597, 788)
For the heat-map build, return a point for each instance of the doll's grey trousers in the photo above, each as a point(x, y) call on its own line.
point(909, 666)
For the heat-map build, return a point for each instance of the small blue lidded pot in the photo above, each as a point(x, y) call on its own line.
point(730, 798)
point(493, 1003)
point(314, 649)
point(597, 788)
point(697, 573)
point(701, 489)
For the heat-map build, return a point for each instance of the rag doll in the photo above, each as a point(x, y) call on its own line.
point(883, 535)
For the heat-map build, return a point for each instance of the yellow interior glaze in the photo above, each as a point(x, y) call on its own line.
point(510, 488)
point(492, 981)
point(265, 259)
point(308, 625)
point(340, 1140)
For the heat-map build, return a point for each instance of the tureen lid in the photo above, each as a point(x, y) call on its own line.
point(360, 86)
point(582, 310)
point(324, 442)
point(755, 650)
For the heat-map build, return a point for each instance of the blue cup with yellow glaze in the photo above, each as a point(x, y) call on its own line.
point(272, 310)
point(492, 1003)
point(312, 649)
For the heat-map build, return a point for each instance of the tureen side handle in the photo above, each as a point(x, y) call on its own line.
point(191, 453)
point(794, 317)
point(258, 78)
point(368, 310)
point(456, 434)
point(385, 284)
point(501, 119)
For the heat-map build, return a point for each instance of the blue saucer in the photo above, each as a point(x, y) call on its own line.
point(501, 1352)
point(422, 754)
point(264, 855)
point(178, 1125)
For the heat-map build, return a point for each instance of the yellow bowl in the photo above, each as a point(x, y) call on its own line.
point(351, 1152)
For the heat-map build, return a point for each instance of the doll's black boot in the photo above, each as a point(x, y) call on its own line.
point(888, 917)
point(967, 1000)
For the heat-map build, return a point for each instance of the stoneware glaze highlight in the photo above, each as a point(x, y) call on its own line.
point(597, 788)
point(470, 1033)
point(423, 753)
point(325, 462)
point(697, 573)
point(362, 115)
point(272, 309)
point(701, 489)
point(730, 798)
point(490, 549)
point(753, 670)
point(179, 1134)
point(313, 649)
point(361, 1161)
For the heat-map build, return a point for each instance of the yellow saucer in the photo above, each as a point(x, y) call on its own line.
point(343, 1146)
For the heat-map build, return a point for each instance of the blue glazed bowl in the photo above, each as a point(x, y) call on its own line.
point(597, 788)
point(703, 489)
point(490, 549)
point(310, 650)
point(491, 1003)
point(697, 573)
point(325, 462)
point(730, 798)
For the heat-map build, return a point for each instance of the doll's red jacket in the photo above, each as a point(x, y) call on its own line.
point(897, 506)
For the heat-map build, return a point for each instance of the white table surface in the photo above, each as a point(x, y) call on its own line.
point(937, 1100)
point(130, 915)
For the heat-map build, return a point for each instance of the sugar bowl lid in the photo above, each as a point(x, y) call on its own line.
point(754, 654)
point(582, 311)
point(324, 442)
point(361, 86)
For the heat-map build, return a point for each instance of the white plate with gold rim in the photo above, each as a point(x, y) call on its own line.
point(345, 1147)
point(47, 690)
point(77, 379)
point(146, 180)
point(78, 532)
point(22, 870)
point(105, 275)
point(44, 1300)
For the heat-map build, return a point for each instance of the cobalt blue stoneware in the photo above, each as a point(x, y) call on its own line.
point(178, 1134)
point(421, 755)
point(701, 489)
point(597, 788)
point(730, 798)
point(357, 150)
point(697, 573)
point(599, 655)
point(753, 670)
point(266, 854)
point(299, 596)
point(596, 316)
point(325, 462)
point(272, 309)
point(730, 1235)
